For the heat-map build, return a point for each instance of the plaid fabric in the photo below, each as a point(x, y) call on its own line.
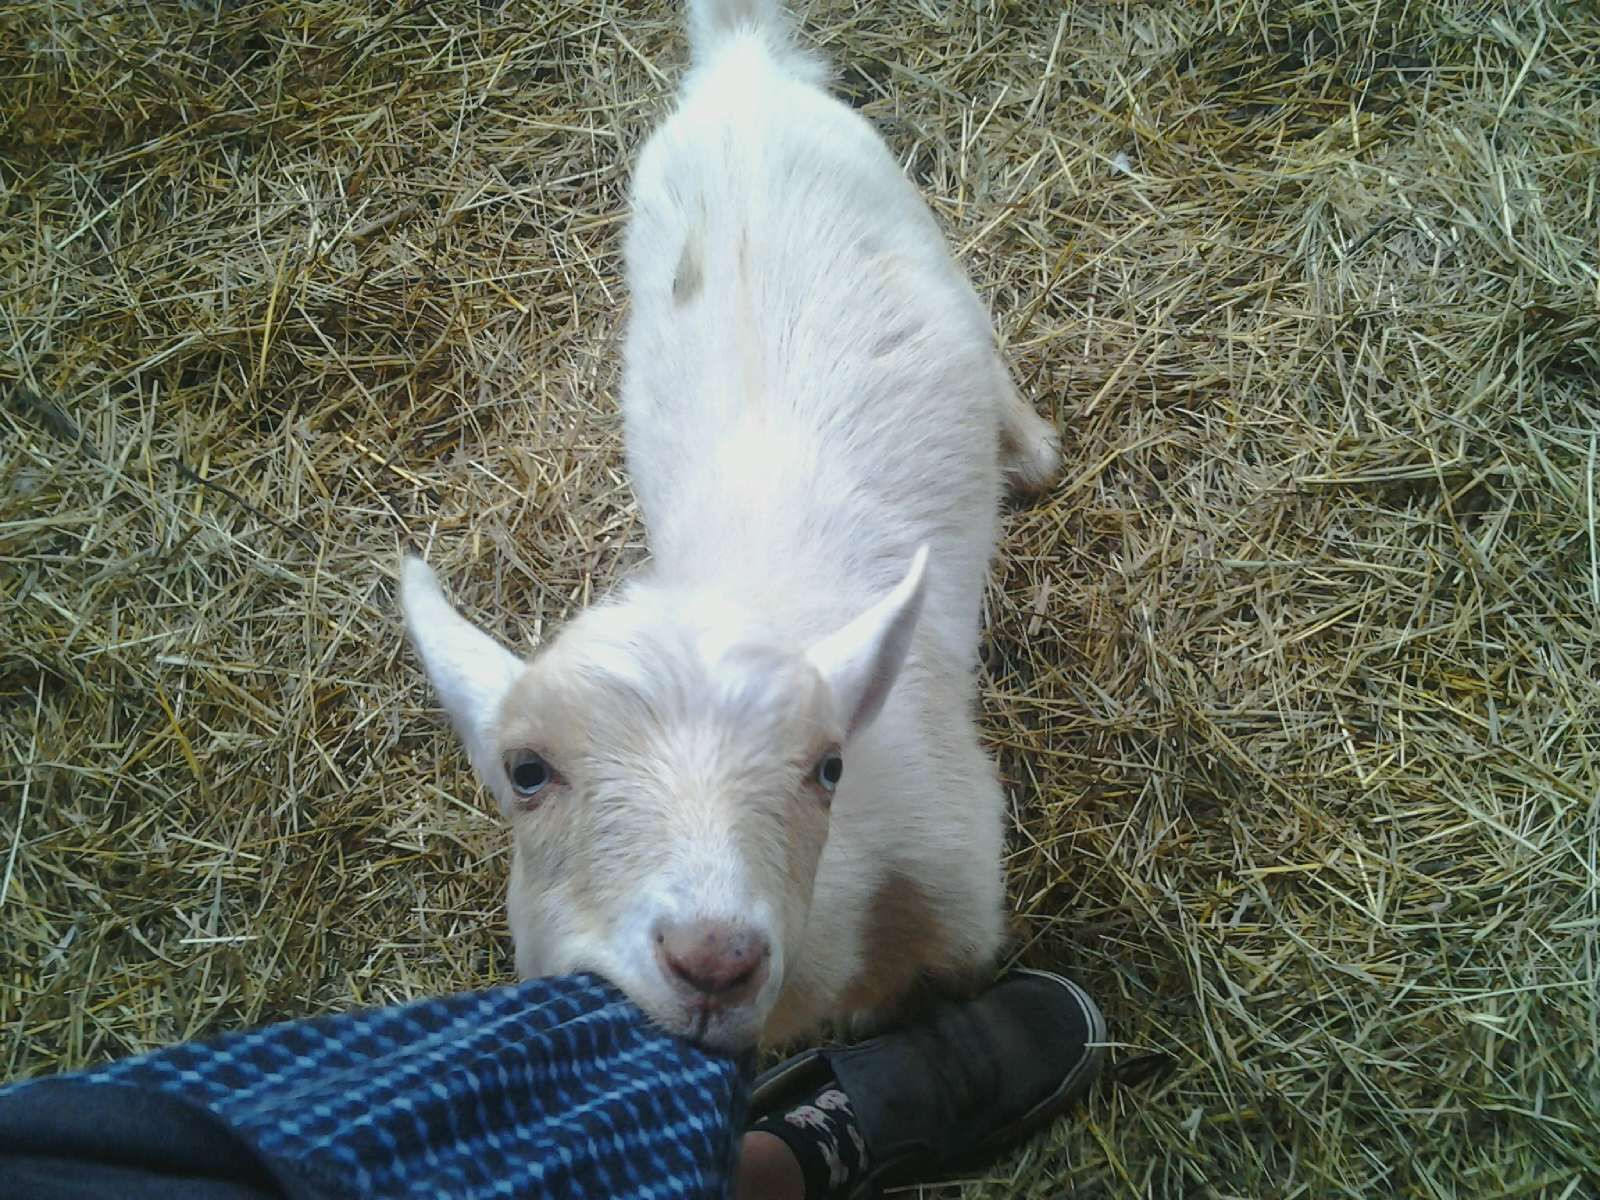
point(558, 1087)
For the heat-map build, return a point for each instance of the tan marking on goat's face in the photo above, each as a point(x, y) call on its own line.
point(902, 940)
point(686, 793)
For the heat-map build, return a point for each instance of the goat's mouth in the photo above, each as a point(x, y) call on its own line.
point(732, 1030)
point(699, 1025)
point(717, 1029)
point(727, 1017)
point(720, 1030)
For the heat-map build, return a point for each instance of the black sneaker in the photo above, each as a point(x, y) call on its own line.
point(969, 1081)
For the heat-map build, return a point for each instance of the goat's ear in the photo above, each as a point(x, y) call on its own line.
point(860, 661)
point(470, 670)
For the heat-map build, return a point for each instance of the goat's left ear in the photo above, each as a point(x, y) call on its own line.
point(860, 661)
point(469, 669)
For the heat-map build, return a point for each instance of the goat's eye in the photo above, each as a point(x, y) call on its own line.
point(830, 769)
point(529, 774)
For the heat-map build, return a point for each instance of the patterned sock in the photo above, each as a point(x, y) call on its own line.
point(822, 1135)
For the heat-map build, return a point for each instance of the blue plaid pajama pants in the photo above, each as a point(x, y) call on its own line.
point(557, 1087)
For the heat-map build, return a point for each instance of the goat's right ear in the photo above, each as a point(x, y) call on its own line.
point(469, 669)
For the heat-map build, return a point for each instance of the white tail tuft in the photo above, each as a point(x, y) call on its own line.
point(714, 23)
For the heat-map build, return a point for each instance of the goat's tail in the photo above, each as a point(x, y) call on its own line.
point(713, 24)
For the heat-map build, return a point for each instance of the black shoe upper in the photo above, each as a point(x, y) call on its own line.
point(973, 1078)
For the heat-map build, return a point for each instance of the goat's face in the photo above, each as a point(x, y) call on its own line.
point(669, 789)
point(677, 807)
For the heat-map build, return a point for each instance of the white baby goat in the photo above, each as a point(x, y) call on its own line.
point(748, 787)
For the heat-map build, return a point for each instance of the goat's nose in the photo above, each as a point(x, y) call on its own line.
point(724, 963)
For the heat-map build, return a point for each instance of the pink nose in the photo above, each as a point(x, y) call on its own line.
point(723, 963)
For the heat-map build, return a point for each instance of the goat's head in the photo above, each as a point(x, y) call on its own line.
point(668, 784)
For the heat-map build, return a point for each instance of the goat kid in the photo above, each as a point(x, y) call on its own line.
point(748, 786)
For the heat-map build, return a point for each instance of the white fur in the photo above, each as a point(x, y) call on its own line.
point(810, 395)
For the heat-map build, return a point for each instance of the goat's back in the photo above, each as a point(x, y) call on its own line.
point(809, 381)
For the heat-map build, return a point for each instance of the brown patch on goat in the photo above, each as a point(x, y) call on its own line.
point(794, 1014)
point(902, 942)
point(689, 276)
point(892, 341)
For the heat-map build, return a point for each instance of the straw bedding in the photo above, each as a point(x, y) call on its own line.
point(1295, 679)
